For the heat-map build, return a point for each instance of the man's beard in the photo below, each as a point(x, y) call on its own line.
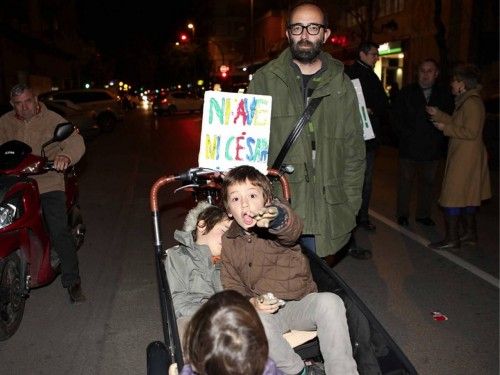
point(305, 56)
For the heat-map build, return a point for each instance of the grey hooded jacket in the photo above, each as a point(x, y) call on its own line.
point(191, 275)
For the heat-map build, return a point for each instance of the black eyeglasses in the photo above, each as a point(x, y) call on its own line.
point(312, 28)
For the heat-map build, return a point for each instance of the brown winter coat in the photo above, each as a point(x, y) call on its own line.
point(267, 260)
point(467, 180)
point(37, 131)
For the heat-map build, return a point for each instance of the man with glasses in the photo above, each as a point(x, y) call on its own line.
point(328, 157)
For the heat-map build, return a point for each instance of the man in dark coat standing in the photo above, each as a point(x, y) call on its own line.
point(377, 104)
point(421, 145)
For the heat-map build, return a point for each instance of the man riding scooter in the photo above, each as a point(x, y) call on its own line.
point(32, 123)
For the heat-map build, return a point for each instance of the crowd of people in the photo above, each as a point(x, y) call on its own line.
point(229, 257)
point(262, 237)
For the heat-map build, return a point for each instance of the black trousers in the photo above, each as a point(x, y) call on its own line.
point(367, 185)
point(425, 174)
point(54, 213)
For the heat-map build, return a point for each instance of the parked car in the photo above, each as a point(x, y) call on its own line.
point(171, 102)
point(84, 120)
point(106, 105)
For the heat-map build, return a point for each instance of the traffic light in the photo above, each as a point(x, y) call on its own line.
point(184, 38)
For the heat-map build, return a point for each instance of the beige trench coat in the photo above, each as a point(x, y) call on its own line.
point(466, 179)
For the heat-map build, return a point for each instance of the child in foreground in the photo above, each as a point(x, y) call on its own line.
point(262, 255)
point(193, 266)
point(226, 337)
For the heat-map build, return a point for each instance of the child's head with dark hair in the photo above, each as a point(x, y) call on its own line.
point(226, 337)
point(244, 192)
point(242, 174)
point(207, 223)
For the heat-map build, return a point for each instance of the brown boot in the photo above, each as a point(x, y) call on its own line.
point(451, 240)
point(470, 236)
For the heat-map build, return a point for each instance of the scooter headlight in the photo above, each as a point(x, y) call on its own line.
point(9, 211)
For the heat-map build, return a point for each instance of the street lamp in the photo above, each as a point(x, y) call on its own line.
point(191, 27)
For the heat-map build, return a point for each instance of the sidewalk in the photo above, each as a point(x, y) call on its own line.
point(383, 203)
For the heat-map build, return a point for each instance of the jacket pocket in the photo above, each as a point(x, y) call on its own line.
point(334, 194)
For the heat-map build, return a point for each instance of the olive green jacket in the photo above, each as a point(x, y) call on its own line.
point(326, 193)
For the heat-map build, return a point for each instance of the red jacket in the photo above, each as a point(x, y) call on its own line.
point(267, 260)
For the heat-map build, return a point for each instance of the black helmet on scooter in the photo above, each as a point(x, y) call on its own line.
point(12, 153)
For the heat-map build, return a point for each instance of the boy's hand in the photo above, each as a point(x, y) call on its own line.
point(265, 216)
point(266, 304)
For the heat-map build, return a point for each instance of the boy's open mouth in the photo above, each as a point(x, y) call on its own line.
point(247, 219)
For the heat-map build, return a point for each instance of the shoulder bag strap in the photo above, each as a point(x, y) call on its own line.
point(294, 134)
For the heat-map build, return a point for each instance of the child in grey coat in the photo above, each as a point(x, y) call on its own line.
point(193, 266)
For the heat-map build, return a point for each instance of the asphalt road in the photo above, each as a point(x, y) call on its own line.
point(402, 285)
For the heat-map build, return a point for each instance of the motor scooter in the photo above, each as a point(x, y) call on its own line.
point(27, 259)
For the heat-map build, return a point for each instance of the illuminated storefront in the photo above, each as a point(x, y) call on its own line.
point(390, 66)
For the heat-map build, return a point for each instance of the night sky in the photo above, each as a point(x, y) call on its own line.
point(117, 26)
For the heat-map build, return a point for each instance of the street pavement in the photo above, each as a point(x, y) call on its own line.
point(405, 282)
point(402, 285)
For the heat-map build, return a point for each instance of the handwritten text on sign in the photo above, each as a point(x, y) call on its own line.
point(235, 130)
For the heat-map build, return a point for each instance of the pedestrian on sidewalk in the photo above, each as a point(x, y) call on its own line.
point(377, 104)
point(466, 181)
point(421, 145)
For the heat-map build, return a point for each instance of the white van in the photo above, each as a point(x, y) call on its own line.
point(105, 104)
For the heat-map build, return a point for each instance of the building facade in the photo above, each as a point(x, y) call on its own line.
point(39, 45)
point(408, 31)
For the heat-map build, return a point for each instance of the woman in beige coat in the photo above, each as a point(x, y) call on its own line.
point(466, 180)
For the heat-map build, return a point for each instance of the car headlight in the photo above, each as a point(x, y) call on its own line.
point(10, 211)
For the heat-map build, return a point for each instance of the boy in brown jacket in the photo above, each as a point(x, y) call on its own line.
point(261, 254)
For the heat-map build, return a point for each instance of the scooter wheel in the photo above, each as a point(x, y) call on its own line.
point(12, 299)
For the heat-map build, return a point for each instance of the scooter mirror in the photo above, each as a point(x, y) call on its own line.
point(63, 131)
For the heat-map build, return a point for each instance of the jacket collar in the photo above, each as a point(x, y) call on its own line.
point(460, 99)
point(366, 66)
point(332, 70)
point(235, 230)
